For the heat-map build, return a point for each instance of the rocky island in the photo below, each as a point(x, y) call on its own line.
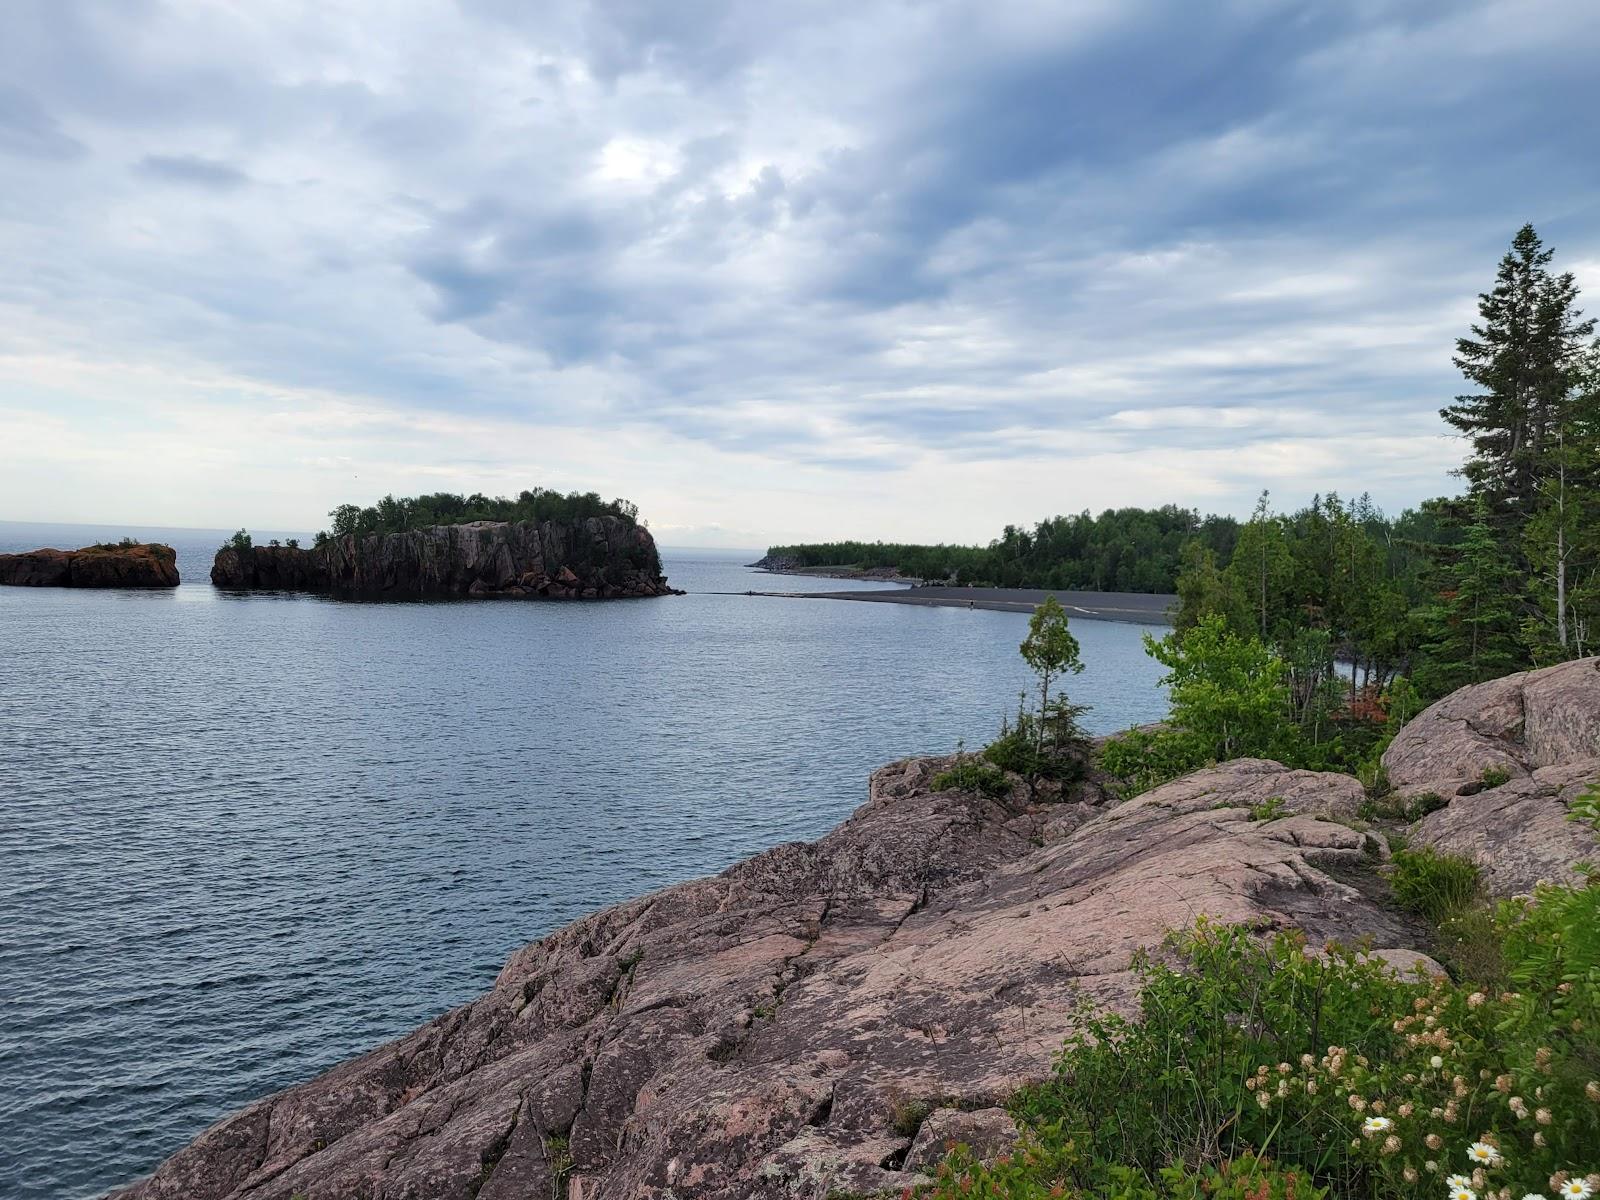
point(126, 564)
point(588, 558)
point(822, 1019)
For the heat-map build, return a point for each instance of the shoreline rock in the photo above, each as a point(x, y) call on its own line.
point(142, 565)
point(757, 1034)
point(597, 558)
point(763, 1034)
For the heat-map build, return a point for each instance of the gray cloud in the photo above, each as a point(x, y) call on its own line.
point(26, 129)
point(839, 236)
point(190, 169)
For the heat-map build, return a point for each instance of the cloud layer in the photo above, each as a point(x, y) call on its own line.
point(812, 269)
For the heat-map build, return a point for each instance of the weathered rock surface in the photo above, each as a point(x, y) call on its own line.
point(1541, 729)
point(597, 558)
point(147, 565)
point(756, 1034)
point(988, 1133)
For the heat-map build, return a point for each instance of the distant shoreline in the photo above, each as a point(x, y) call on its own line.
point(1140, 608)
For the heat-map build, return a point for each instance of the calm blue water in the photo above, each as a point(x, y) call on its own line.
point(243, 838)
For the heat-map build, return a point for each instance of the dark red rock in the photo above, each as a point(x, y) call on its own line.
point(145, 565)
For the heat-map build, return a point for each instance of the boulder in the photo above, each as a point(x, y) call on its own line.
point(1540, 731)
point(761, 1033)
point(144, 565)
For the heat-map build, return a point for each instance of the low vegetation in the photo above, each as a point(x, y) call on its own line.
point(1256, 1068)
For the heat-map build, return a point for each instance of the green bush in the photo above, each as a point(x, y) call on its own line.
point(970, 775)
point(239, 541)
point(1493, 777)
point(1040, 1163)
point(1433, 885)
point(1586, 808)
point(1059, 750)
point(1351, 1077)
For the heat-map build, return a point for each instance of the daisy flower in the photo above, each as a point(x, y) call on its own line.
point(1458, 1183)
point(1483, 1154)
point(1463, 1193)
point(1576, 1189)
point(1376, 1125)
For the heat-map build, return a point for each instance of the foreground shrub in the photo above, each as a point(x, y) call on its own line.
point(1040, 1163)
point(1346, 1075)
point(1052, 746)
point(1433, 885)
point(971, 775)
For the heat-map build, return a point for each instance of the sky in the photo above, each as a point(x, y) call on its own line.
point(781, 271)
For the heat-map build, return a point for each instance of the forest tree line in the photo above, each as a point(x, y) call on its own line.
point(394, 515)
point(1322, 631)
point(1463, 588)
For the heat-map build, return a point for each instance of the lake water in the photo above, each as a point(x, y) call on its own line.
point(245, 837)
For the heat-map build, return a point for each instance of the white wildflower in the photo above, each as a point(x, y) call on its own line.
point(1484, 1154)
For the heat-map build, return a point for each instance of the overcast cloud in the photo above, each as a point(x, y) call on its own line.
point(778, 270)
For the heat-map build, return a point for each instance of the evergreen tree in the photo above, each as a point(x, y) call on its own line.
point(1474, 626)
point(1525, 355)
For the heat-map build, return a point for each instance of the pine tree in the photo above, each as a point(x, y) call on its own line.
point(1474, 625)
point(1526, 356)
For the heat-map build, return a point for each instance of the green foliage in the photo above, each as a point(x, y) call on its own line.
point(1043, 1166)
point(1269, 809)
point(1052, 747)
point(1586, 807)
point(1473, 633)
point(1433, 885)
point(971, 775)
point(1493, 777)
point(239, 541)
point(391, 515)
point(1121, 550)
point(908, 1115)
point(1229, 700)
point(125, 543)
point(1256, 1068)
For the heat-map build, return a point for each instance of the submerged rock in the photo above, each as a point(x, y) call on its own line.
point(592, 558)
point(1509, 757)
point(761, 1033)
point(143, 565)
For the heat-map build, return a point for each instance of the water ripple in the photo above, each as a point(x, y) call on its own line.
point(242, 839)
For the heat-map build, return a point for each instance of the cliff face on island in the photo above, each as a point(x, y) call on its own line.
point(593, 558)
point(759, 1033)
point(146, 565)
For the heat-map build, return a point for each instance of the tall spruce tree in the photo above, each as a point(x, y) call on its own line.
point(1526, 355)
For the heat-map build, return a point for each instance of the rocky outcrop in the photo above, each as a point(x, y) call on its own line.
point(762, 1033)
point(596, 558)
point(142, 565)
point(1509, 756)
